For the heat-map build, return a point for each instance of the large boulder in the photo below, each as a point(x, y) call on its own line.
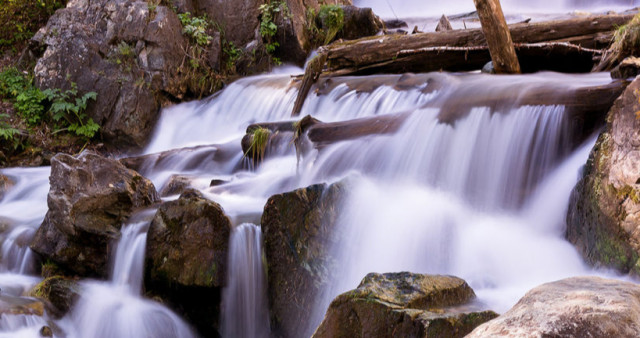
point(573, 307)
point(89, 198)
point(129, 52)
point(186, 257)
point(603, 219)
point(299, 231)
point(403, 305)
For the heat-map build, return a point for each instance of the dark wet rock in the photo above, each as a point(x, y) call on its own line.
point(359, 22)
point(89, 198)
point(46, 331)
point(176, 185)
point(393, 24)
point(128, 52)
point(604, 209)
point(60, 292)
point(299, 228)
point(573, 307)
point(444, 24)
point(186, 257)
point(404, 305)
point(628, 68)
point(216, 182)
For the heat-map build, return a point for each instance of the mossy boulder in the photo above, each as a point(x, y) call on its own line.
point(572, 307)
point(186, 257)
point(90, 197)
point(58, 291)
point(404, 305)
point(603, 215)
point(299, 230)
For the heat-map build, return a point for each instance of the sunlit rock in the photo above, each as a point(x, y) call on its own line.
point(404, 305)
point(572, 307)
point(603, 220)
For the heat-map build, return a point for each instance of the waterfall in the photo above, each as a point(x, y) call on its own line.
point(116, 308)
point(245, 309)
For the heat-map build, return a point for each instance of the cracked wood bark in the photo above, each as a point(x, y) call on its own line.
point(498, 37)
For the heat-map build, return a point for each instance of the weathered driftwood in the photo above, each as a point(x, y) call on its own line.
point(498, 37)
point(586, 106)
point(311, 74)
point(358, 54)
point(556, 56)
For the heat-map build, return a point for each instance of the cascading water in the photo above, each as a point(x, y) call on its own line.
point(246, 312)
point(116, 308)
point(475, 191)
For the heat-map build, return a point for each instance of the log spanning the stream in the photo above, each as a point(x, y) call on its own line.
point(390, 52)
point(586, 106)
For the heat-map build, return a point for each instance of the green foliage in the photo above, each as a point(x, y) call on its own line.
point(30, 106)
point(69, 106)
point(20, 19)
point(8, 133)
point(12, 82)
point(36, 106)
point(196, 28)
point(259, 140)
point(232, 53)
point(332, 18)
point(268, 28)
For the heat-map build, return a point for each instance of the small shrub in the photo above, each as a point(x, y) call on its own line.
point(30, 105)
point(332, 18)
point(8, 133)
point(196, 28)
point(268, 28)
point(20, 19)
point(12, 82)
point(69, 106)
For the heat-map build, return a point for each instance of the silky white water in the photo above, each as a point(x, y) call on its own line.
point(475, 191)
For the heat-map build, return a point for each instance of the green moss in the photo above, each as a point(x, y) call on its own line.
point(259, 141)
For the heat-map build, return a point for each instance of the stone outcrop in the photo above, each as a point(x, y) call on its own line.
point(603, 219)
point(573, 307)
point(89, 198)
point(59, 292)
point(129, 52)
point(359, 22)
point(186, 257)
point(403, 305)
point(299, 230)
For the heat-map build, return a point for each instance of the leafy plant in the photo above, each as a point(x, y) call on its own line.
point(12, 82)
point(30, 106)
point(232, 52)
point(20, 19)
point(332, 18)
point(196, 28)
point(68, 106)
point(7, 132)
point(268, 28)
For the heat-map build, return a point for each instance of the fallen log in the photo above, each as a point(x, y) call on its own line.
point(562, 57)
point(364, 52)
point(498, 37)
point(586, 107)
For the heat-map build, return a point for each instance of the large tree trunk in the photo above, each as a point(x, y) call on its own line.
point(358, 54)
point(498, 37)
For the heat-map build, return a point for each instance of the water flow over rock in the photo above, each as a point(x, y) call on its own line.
point(245, 309)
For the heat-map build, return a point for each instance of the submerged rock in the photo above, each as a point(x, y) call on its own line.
point(89, 198)
point(5, 184)
point(299, 230)
point(403, 305)
point(573, 307)
point(186, 257)
point(129, 52)
point(603, 215)
point(176, 185)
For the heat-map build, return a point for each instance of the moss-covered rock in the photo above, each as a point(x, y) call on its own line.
point(59, 291)
point(403, 305)
point(186, 257)
point(603, 219)
point(89, 199)
point(299, 230)
point(572, 307)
